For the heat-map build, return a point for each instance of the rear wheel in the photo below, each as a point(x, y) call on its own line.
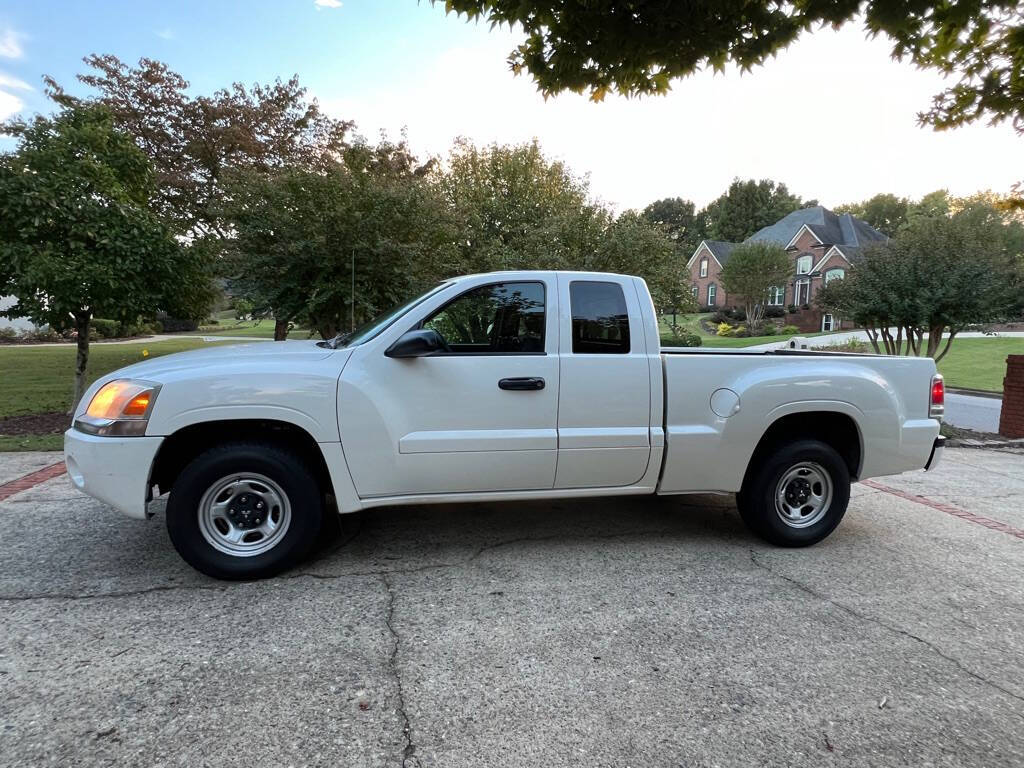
point(244, 511)
point(798, 494)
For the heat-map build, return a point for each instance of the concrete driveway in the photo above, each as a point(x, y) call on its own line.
point(646, 632)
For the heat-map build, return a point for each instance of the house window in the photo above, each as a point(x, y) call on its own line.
point(803, 265)
point(834, 274)
point(802, 292)
point(775, 296)
point(828, 323)
point(703, 267)
point(712, 291)
point(694, 289)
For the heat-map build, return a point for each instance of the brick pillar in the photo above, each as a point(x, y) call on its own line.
point(1011, 419)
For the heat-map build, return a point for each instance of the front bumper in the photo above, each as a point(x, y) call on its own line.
point(936, 455)
point(114, 470)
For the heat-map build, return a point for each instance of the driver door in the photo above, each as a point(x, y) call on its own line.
point(480, 415)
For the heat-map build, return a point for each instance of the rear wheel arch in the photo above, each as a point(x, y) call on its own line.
point(838, 430)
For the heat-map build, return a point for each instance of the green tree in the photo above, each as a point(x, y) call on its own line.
point(77, 238)
point(300, 233)
point(515, 208)
point(752, 270)
point(680, 221)
point(195, 142)
point(747, 206)
point(885, 212)
point(639, 48)
point(941, 276)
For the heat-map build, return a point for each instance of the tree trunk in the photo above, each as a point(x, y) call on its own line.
point(872, 333)
point(280, 329)
point(949, 340)
point(82, 358)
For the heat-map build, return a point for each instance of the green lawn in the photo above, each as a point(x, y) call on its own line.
point(979, 363)
point(262, 329)
point(39, 379)
point(692, 323)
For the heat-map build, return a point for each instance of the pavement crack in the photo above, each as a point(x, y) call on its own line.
point(886, 626)
point(409, 758)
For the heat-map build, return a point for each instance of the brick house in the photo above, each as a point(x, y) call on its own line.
point(823, 245)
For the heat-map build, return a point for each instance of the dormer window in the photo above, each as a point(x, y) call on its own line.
point(703, 267)
point(834, 274)
point(803, 265)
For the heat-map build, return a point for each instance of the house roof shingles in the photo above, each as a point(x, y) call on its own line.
point(831, 228)
point(843, 229)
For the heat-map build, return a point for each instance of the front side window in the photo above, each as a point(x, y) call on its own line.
point(694, 290)
point(775, 296)
point(703, 267)
point(712, 293)
point(600, 322)
point(501, 318)
point(803, 265)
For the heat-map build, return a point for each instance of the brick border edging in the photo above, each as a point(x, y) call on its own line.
point(31, 480)
point(949, 509)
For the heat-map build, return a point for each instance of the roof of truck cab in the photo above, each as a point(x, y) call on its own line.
point(526, 273)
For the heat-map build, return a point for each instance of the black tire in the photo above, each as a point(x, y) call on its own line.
point(757, 499)
point(293, 478)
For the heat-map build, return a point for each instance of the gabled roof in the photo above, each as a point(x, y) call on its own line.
point(720, 249)
point(830, 228)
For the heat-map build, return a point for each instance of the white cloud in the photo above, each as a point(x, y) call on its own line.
point(165, 34)
point(833, 117)
point(9, 105)
point(327, 4)
point(10, 44)
point(6, 81)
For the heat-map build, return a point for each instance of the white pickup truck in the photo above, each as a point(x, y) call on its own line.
point(511, 385)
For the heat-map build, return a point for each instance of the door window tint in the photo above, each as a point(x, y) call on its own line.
point(496, 318)
point(600, 324)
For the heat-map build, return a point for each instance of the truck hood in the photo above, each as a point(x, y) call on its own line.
point(251, 355)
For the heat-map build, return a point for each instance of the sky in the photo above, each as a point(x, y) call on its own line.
point(833, 117)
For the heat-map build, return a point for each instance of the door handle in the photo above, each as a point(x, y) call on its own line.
point(522, 383)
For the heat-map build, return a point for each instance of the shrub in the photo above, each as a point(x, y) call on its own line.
point(8, 334)
point(705, 308)
point(774, 312)
point(721, 316)
point(105, 329)
point(173, 324)
point(791, 308)
point(850, 346)
point(740, 331)
point(41, 334)
point(789, 330)
point(769, 330)
point(738, 313)
point(724, 329)
point(688, 339)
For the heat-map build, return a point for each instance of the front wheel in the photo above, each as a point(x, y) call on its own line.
point(797, 496)
point(244, 511)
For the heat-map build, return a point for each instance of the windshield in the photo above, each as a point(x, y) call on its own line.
point(368, 330)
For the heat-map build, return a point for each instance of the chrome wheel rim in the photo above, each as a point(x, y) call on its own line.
point(244, 515)
point(803, 494)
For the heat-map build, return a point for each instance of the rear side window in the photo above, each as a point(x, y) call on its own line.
point(502, 318)
point(600, 324)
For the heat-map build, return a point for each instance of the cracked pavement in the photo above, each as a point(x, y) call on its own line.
point(619, 632)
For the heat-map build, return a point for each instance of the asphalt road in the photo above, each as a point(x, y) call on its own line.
point(646, 632)
point(973, 412)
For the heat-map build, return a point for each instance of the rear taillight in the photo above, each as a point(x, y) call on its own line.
point(937, 404)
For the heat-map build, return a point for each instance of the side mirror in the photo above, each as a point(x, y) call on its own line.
point(416, 344)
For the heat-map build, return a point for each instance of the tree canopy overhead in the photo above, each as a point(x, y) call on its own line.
point(638, 48)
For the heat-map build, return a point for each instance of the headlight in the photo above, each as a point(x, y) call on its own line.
point(120, 407)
